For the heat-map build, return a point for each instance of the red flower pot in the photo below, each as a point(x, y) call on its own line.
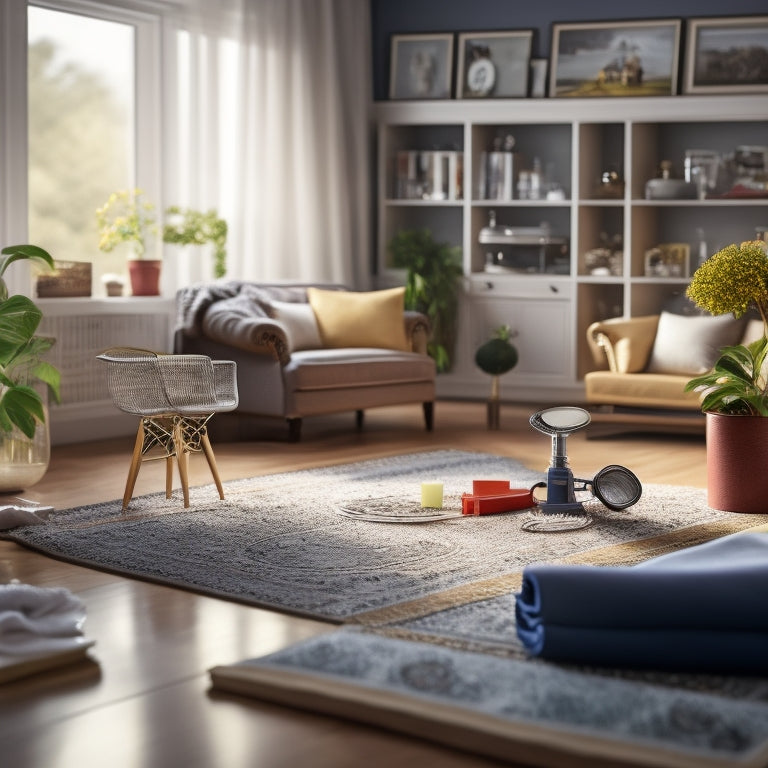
point(737, 463)
point(145, 277)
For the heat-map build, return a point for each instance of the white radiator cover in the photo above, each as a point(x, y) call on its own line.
point(86, 411)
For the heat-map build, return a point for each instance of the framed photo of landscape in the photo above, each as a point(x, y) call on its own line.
point(494, 65)
point(421, 66)
point(727, 55)
point(615, 58)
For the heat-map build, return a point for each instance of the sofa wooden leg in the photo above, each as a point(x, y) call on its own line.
point(429, 415)
point(359, 416)
point(294, 430)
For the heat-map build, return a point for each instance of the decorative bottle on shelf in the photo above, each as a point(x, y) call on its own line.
point(761, 233)
point(703, 251)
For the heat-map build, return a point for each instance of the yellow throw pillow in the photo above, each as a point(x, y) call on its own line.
point(366, 319)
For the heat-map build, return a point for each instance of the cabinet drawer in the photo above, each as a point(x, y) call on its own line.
point(520, 287)
point(541, 328)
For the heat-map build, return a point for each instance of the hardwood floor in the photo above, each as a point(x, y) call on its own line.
point(145, 700)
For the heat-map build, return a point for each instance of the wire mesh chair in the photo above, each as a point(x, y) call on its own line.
point(175, 396)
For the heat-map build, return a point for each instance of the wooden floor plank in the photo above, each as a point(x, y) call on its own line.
point(146, 701)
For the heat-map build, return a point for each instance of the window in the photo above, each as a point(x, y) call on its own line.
point(86, 107)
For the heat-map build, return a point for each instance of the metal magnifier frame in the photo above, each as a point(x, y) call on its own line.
point(615, 486)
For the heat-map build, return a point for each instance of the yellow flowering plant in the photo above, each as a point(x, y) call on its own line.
point(734, 280)
point(126, 217)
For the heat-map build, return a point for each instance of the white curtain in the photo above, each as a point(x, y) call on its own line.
point(266, 120)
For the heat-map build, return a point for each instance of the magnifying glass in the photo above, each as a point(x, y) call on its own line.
point(615, 486)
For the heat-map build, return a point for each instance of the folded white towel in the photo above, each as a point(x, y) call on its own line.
point(36, 620)
point(16, 515)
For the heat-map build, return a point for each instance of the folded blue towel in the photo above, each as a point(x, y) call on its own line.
point(700, 609)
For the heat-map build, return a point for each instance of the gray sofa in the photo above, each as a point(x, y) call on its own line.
point(284, 368)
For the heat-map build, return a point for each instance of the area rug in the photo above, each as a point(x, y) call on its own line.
point(525, 712)
point(278, 541)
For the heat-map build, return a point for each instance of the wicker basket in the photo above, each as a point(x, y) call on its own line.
point(70, 278)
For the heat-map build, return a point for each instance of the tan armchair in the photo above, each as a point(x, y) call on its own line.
point(643, 364)
point(293, 364)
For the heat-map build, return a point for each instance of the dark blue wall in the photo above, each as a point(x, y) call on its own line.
point(394, 16)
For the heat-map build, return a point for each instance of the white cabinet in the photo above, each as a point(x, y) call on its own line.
point(591, 159)
point(539, 317)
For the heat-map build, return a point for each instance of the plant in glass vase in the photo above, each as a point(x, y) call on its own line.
point(735, 280)
point(24, 378)
point(128, 217)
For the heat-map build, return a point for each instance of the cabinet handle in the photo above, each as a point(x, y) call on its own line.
point(488, 285)
point(554, 289)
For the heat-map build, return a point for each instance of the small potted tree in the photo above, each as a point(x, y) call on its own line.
point(735, 391)
point(24, 434)
point(496, 357)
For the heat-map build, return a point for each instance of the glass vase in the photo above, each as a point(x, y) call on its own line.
point(24, 461)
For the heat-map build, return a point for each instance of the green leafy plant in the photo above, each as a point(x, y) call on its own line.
point(736, 384)
point(432, 286)
point(497, 355)
point(126, 217)
point(734, 280)
point(190, 227)
point(21, 351)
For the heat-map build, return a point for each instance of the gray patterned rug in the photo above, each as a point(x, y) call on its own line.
point(529, 712)
point(278, 541)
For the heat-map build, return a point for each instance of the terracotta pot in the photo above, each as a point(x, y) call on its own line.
point(737, 458)
point(145, 277)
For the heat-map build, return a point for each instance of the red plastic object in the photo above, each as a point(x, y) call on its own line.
point(511, 500)
point(489, 487)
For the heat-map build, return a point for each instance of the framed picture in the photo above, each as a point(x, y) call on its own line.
point(494, 65)
point(668, 260)
point(615, 58)
point(421, 66)
point(727, 55)
point(538, 89)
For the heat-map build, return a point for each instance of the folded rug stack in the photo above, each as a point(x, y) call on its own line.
point(38, 621)
point(700, 609)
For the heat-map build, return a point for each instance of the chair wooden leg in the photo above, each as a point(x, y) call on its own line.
point(182, 459)
point(168, 477)
point(133, 471)
point(208, 451)
point(359, 417)
point(429, 415)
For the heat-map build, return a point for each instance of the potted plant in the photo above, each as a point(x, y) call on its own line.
point(127, 217)
point(24, 435)
point(186, 226)
point(431, 287)
point(495, 357)
point(735, 391)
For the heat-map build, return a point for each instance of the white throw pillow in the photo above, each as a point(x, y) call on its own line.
point(691, 344)
point(299, 322)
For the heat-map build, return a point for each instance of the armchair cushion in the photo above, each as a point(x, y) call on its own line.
point(633, 349)
point(300, 324)
point(364, 319)
point(690, 345)
point(623, 344)
point(239, 322)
